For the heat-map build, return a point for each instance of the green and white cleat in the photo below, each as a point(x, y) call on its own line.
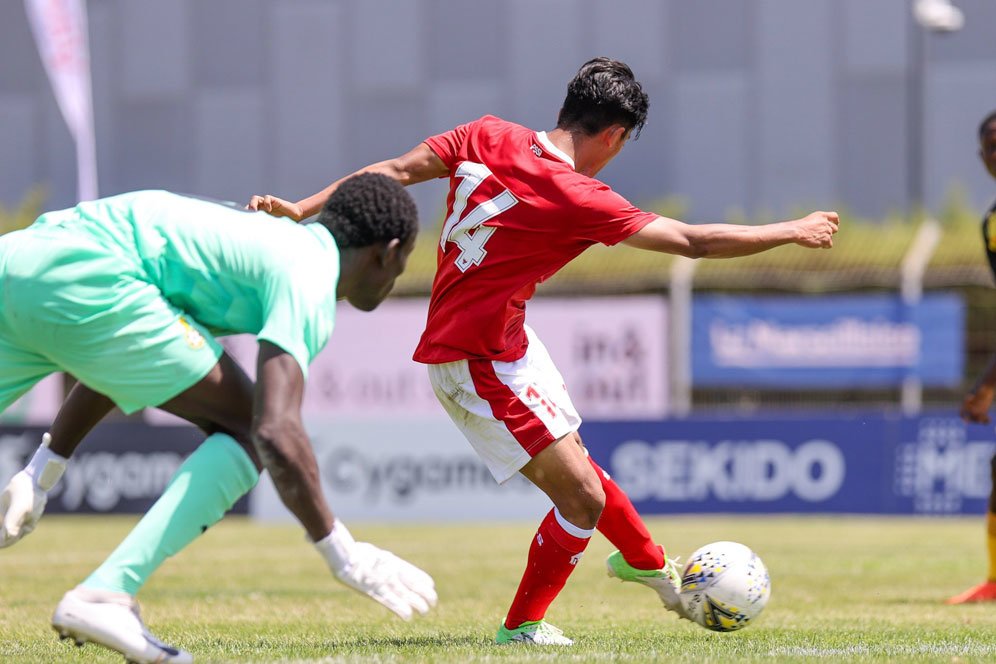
point(666, 581)
point(536, 633)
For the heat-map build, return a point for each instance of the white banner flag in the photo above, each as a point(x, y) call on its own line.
point(60, 28)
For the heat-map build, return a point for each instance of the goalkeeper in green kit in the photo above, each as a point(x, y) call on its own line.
point(127, 294)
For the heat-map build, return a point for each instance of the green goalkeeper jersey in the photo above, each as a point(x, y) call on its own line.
point(232, 270)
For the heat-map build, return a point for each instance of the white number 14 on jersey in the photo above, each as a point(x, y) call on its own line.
point(468, 233)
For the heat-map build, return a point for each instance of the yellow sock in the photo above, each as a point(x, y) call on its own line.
point(991, 541)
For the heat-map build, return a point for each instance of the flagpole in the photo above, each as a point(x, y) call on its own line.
point(61, 33)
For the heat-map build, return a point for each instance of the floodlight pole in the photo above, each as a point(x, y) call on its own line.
point(930, 16)
point(912, 269)
point(680, 335)
point(914, 262)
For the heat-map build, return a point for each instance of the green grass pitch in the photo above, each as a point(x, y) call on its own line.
point(844, 588)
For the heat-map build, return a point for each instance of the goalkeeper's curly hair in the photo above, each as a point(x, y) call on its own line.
point(369, 209)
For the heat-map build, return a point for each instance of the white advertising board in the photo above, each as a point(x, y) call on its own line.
point(404, 469)
point(39, 406)
point(611, 352)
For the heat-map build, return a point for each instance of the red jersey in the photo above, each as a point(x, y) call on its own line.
point(517, 212)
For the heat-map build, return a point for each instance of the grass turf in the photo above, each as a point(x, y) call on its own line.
point(855, 589)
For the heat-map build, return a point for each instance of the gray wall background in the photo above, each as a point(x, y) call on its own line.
point(756, 105)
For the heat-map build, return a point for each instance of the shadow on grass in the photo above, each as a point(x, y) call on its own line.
point(423, 641)
point(350, 646)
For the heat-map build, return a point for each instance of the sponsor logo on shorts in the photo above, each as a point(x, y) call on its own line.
point(194, 339)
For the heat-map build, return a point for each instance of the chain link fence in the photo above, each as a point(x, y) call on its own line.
point(866, 258)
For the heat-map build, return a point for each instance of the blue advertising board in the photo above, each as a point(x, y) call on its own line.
point(853, 464)
point(827, 341)
point(120, 468)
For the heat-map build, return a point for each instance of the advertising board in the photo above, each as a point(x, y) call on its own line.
point(829, 341)
point(119, 468)
point(872, 463)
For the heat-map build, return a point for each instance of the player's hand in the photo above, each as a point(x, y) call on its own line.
point(378, 574)
point(21, 505)
point(816, 230)
point(386, 578)
point(975, 406)
point(278, 207)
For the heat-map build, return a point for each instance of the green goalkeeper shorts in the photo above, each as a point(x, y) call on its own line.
point(68, 303)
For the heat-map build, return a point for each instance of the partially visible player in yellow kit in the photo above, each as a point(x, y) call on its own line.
point(975, 407)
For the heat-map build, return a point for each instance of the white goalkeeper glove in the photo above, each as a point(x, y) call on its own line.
point(378, 574)
point(23, 501)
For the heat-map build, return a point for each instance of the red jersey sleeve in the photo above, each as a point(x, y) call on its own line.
point(606, 217)
point(448, 144)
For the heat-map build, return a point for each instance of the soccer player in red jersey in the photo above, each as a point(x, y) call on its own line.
point(521, 205)
point(975, 407)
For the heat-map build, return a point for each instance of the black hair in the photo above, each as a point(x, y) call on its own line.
point(989, 119)
point(603, 93)
point(369, 208)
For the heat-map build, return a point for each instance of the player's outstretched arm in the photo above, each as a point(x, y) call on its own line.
point(23, 500)
point(815, 230)
point(283, 445)
point(975, 406)
point(285, 450)
point(417, 165)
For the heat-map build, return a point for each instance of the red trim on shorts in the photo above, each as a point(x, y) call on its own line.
point(527, 429)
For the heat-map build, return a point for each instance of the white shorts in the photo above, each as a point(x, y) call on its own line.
point(509, 411)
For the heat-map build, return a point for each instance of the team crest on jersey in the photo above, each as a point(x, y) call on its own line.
point(194, 339)
point(536, 149)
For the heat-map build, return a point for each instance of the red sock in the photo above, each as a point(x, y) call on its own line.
point(552, 557)
point(621, 524)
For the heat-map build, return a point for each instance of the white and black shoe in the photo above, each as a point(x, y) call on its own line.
point(112, 620)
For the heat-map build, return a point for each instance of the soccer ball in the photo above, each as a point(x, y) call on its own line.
point(724, 586)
